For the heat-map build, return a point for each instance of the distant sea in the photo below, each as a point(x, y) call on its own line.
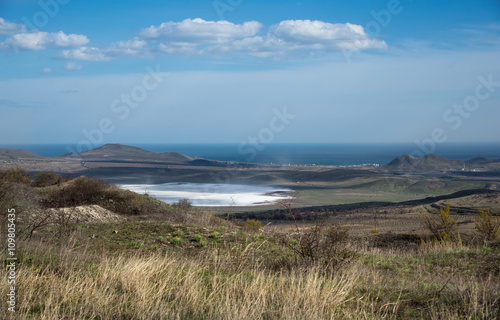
point(319, 154)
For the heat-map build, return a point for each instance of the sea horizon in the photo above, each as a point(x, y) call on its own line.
point(297, 153)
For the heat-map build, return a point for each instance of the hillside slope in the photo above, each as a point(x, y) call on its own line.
point(120, 152)
point(429, 162)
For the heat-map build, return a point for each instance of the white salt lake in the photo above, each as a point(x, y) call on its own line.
point(212, 194)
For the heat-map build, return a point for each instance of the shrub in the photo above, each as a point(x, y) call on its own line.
point(253, 225)
point(441, 225)
point(487, 225)
point(178, 233)
point(214, 235)
point(183, 204)
point(87, 191)
point(44, 179)
point(197, 238)
point(81, 191)
point(176, 240)
point(17, 175)
point(324, 244)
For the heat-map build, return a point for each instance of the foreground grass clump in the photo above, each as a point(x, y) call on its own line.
point(60, 284)
point(137, 273)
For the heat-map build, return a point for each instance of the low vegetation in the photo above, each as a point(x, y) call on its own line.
point(177, 262)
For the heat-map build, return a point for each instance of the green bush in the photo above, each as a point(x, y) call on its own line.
point(176, 240)
point(178, 233)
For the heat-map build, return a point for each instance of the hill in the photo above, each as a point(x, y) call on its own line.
point(15, 154)
point(430, 162)
point(120, 152)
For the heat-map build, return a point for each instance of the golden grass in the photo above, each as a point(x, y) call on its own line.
point(172, 286)
point(392, 283)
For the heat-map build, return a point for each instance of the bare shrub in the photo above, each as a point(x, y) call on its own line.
point(81, 191)
point(63, 219)
point(324, 244)
point(45, 179)
point(183, 204)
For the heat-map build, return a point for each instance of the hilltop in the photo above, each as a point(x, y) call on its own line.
point(15, 154)
point(430, 162)
point(120, 152)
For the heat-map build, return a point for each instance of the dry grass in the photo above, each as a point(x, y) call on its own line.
point(172, 286)
point(230, 280)
point(188, 264)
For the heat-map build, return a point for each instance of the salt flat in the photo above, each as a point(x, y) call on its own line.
point(212, 194)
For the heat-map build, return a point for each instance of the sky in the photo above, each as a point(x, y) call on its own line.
point(230, 71)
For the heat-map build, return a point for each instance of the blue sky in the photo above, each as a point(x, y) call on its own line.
point(227, 70)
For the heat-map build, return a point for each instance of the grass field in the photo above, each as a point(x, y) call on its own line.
point(159, 270)
point(179, 262)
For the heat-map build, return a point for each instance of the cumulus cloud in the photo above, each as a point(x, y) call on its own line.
point(198, 37)
point(305, 35)
point(7, 28)
point(330, 36)
point(83, 53)
point(45, 71)
point(72, 66)
point(43, 40)
point(201, 31)
point(219, 38)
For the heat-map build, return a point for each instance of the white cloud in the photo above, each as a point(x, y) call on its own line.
point(319, 35)
point(201, 31)
point(116, 49)
point(43, 40)
point(45, 71)
point(72, 66)
point(83, 53)
point(129, 47)
point(182, 48)
point(198, 37)
point(7, 28)
point(222, 38)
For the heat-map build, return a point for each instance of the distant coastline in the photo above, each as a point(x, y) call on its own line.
point(282, 154)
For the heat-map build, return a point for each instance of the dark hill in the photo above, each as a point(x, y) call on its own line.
point(429, 162)
point(16, 154)
point(481, 161)
point(120, 152)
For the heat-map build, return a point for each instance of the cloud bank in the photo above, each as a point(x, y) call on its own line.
point(198, 37)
